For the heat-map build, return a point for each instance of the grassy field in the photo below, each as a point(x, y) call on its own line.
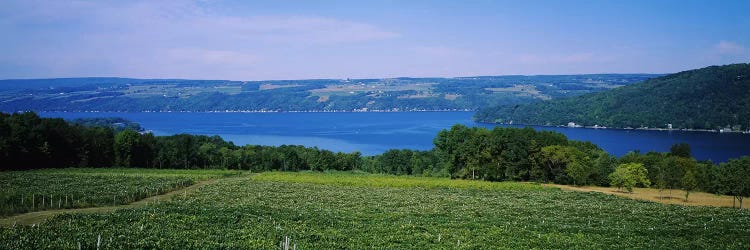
point(522, 90)
point(27, 191)
point(351, 89)
point(355, 210)
point(362, 179)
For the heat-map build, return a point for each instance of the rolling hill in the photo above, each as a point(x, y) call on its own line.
point(715, 97)
point(388, 94)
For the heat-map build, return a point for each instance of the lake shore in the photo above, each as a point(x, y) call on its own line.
point(615, 128)
point(255, 111)
point(373, 133)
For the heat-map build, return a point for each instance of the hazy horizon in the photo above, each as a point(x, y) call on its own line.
point(286, 40)
point(295, 79)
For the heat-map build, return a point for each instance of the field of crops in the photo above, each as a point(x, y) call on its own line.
point(27, 191)
point(363, 179)
point(342, 210)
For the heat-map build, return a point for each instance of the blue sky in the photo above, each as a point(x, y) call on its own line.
point(258, 40)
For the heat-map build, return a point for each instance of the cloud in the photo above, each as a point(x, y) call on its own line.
point(177, 19)
point(729, 48)
point(297, 29)
point(161, 38)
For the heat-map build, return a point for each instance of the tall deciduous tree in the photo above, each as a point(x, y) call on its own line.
point(735, 175)
point(126, 143)
point(689, 181)
point(628, 175)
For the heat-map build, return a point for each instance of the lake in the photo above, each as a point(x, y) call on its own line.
point(374, 133)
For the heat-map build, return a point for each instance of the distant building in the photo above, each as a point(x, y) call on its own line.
point(669, 126)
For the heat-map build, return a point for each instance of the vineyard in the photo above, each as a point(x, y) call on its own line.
point(355, 210)
point(363, 179)
point(30, 191)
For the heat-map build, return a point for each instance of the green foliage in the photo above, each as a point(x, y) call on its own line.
point(708, 176)
point(27, 191)
point(708, 98)
point(362, 179)
point(689, 181)
point(604, 165)
point(680, 150)
point(581, 169)
point(129, 149)
point(116, 123)
point(735, 175)
point(629, 175)
point(243, 213)
point(669, 171)
point(518, 154)
point(28, 141)
point(562, 164)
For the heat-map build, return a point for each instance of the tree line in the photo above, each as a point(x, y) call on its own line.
point(28, 141)
point(524, 154)
point(500, 154)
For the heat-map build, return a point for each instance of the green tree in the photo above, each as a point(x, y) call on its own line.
point(605, 164)
point(628, 175)
point(206, 153)
point(735, 178)
point(97, 149)
point(680, 150)
point(708, 176)
point(325, 160)
point(550, 163)
point(564, 165)
point(581, 169)
point(126, 143)
point(671, 172)
point(689, 182)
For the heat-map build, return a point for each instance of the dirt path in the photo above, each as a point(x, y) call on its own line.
point(667, 197)
point(40, 216)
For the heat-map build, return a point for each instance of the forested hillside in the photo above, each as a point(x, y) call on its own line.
point(391, 94)
point(709, 98)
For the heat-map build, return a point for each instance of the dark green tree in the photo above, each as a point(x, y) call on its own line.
point(680, 150)
point(735, 178)
point(126, 147)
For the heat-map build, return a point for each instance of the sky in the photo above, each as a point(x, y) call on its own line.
point(265, 40)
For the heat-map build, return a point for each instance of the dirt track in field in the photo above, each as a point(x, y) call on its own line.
point(667, 196)
point(40, 216)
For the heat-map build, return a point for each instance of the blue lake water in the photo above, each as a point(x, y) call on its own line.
point(374, 133)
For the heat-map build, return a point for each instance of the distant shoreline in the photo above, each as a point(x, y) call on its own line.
point(248, 111)
point(393, 111)
point(628, 129)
